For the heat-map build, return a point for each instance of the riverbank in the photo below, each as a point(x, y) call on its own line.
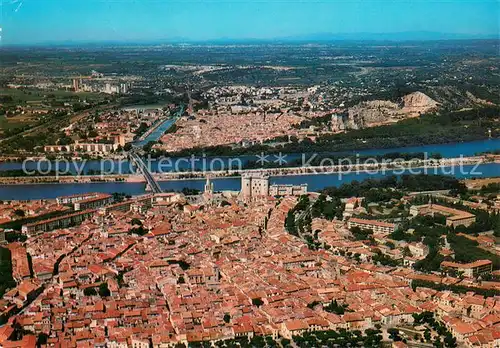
point(68, 179)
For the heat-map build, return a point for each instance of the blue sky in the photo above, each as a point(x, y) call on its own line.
point(39, 21)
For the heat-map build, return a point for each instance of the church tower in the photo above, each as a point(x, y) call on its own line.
point(209, 187)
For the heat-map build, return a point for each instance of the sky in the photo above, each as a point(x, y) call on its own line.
point(53, 21)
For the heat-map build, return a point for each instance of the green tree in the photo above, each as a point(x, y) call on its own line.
point(285, 342)
point(42, 339)
point(147, 148)
point(427, 335)
point(290, 223)
point(496, 230)
point(394, 334)
point(103, 290)
point(19, 213)
point(257, 302)
point(6, 280)
point(89, 292)
point(136, 221)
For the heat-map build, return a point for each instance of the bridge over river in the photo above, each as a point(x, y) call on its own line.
point(152, 184)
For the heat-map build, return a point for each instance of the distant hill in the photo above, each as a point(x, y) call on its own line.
point(307, 38)
point(399, 36)
point(335, 37)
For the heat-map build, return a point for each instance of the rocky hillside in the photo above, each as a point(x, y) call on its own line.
point(378, 112)
point(417, 103)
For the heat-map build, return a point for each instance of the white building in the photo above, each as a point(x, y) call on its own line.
point(373, 225)
point(287, 190)
point(419, 249)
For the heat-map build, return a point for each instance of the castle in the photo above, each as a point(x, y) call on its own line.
point(255, 186)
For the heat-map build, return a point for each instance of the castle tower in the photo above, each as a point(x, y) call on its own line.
point(246, 186)
point(254, 186)
point(260, 186)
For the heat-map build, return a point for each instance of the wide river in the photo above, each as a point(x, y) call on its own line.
point(315, 182)
point(222, 163)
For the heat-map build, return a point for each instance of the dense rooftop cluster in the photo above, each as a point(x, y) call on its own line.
point(164, 272)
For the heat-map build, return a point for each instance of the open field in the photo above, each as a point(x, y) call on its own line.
point(34, 95)
point(22, 109)
point(478, 183)
point(15, 122)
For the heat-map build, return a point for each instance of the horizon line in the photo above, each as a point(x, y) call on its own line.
point(391, 37)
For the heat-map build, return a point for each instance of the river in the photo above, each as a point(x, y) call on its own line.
point(315, 183)
point(220, 163)
point(157, 133)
